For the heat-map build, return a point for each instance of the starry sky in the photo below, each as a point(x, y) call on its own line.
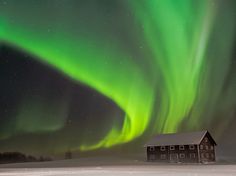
point(96, 74)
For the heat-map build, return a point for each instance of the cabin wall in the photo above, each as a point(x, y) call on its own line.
point(203, 151)
point(174, 153)
point(156, 154)
point(207, 150)
point(184, 153)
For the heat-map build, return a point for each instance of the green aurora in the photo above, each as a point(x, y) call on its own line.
point(163, 62)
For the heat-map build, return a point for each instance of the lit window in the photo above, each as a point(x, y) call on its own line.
point(152, 149)
point(206, 147)
point(163, 156)
point(201, 147)
point(181, 147)
point(192, 155)
point(191, 147)
point(172, 147)
point(163, 148)
point(182, 155)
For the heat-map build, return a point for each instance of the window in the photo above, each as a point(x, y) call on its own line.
point(207, 155)
point(182, 155)
point(172, 147)
point(163, 156)
point(152, 148)
point(173, 156)
point(205, 139)
point(192, 155)
point(212, 155)
point(206, 147)
point(202, 155)
point(163, 148)
point(152, 157)
point(181, 147)
point(212, 148)
point(191, 147)
point(201, 147)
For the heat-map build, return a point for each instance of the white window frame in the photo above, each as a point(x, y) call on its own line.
point(152, 157)
point(172, 147)
point(181, 147)
point(182, 155)
point(173, 156)
point(162, 148)
point(163, 156)
point(191, 147)
point(152, 148)
point(192, 155)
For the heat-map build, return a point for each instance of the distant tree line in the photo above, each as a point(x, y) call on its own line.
point(17, 157)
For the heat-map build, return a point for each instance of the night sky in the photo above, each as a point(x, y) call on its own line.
point(96, 74)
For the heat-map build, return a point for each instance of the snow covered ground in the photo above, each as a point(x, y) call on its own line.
point(160, 170)
point(114, 167)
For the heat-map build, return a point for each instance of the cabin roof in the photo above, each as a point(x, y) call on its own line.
point(179, 139)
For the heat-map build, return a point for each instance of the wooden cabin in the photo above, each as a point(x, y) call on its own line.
point(194, 147)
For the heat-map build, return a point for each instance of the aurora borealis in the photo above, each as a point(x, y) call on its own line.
point(168, 65)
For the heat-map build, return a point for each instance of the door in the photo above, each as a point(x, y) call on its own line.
point(174, 158)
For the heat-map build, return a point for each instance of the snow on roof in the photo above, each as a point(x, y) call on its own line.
point(178, 139)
